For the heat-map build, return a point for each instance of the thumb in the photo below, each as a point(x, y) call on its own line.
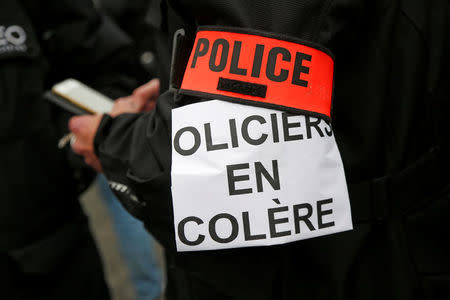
point(147, 91)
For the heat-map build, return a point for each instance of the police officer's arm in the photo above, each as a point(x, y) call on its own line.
point(143, 99)
point(128, 144)
point(135, 153)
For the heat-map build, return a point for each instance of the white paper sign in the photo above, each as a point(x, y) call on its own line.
point(246, 176)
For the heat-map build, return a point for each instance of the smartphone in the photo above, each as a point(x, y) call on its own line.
point(78, 98)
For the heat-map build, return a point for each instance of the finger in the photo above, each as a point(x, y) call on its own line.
point(81, 126)
point(118, 108)
point(150, 105)
point(97, 166)
point(124, 107)
point(76, 123)
point(84, 128)
point(94, 162)
point(79, 147)
point(148, 91)
point(90, 160)
point(92, 122)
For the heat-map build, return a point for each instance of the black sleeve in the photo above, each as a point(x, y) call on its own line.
point(135, 153)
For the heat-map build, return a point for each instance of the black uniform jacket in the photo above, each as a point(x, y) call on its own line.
point(389, 118)
point(38, 193)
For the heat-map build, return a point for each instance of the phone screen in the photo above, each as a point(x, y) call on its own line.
point(83, 96)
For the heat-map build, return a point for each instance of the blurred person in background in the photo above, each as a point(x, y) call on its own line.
point(143, 21)
point(46, 248)
point(136, 244)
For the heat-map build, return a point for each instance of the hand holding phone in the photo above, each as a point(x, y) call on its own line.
point(78, 98)
point(85, 127)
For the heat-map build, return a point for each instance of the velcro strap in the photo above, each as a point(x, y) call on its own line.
point(262, 69)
